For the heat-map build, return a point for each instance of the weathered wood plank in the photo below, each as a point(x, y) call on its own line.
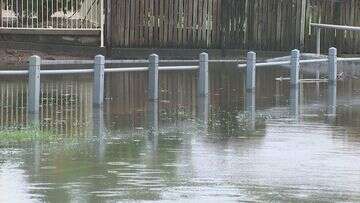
point(240, 24)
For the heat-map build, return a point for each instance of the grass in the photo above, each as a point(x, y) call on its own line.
point(25, 134)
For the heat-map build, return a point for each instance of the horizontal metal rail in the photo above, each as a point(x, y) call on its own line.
point(67, 62)
point(288, 62)
point(242, 66)
point(273, 63)
point(303, 80)
point(175, 68)
point(319, 26)
point(125, 61)
point(107, 70)
point(348, 59)
point(69, 71)
point(91, 62)
point(227, 61)
point(313, 61)
point(179, 61)
point(336, 27)
point(14, 72)
point(267, 64)
point(137, 69)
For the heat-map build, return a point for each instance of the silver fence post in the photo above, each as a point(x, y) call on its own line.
point(332, 69)
point(295, 67)
point(294, 102)
point(250, 108)
point(98, 88)
point(318, 41)
point(331, 103)
point(153, 77)
point(203, 77)
point(153, 117)
point(250, 71)
point(34, 85)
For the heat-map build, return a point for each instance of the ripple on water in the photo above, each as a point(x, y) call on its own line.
point(48, 168)
point(118, 163)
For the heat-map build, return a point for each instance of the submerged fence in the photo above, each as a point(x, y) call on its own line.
point(34, 73)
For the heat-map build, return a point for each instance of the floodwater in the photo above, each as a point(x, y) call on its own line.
point(279, 144)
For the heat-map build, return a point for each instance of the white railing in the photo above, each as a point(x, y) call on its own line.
point(52, 15)
point(34, 72)
point(318, 28)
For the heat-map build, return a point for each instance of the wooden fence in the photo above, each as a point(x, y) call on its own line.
point(273, 25)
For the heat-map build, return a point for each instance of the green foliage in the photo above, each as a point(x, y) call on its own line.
point(24, 135)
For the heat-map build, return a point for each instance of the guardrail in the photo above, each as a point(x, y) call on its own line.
point(34, 72)
point(251, 65)
point(319, 26)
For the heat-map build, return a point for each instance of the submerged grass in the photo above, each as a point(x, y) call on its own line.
point(25, 134)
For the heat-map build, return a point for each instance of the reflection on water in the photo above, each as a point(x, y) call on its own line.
point(294, 102)
point(277, 144)
point(331, 102)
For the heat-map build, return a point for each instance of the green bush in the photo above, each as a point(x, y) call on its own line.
point(25, 134)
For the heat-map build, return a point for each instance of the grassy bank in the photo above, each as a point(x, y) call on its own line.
point(25, 134)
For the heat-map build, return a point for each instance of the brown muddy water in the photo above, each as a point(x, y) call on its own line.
point(233, 147)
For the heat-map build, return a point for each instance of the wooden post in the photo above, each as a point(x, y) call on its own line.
point(295, 67)
point(98, 88)
point(34, 85)
point(318, 41)
point(203, 77)
point(250, 80)
point(153, 93)
point(332, 67)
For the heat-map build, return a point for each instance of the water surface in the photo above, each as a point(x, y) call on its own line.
point(280, 144)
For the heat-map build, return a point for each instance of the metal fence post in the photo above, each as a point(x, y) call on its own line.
point(332, 68)
point(34, 85)
point(153, 93)
point(295, 67)
point(203, 75)
point(250, 80)
point(318, 41)
point(98, 88)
